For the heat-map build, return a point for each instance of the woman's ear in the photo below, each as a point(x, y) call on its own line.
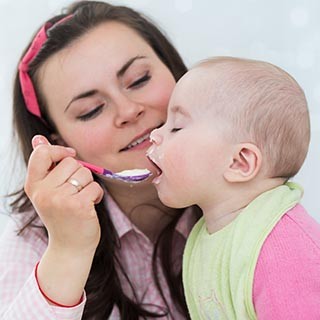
point(245, 164)
point(56, 139)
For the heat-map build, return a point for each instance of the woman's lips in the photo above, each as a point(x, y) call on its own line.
point(140, 142)
point(141, 146)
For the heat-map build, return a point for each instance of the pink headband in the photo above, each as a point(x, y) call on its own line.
point(27, 88)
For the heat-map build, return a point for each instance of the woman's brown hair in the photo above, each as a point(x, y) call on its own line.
point(103, 287)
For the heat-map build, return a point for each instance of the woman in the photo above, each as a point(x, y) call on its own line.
point(94, 84)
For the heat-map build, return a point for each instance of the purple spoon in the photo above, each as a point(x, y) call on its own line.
point(135, 175)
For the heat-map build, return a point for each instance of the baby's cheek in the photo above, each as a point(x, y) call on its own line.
point(175, 165)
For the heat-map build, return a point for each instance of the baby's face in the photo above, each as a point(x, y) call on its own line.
point(191, 149)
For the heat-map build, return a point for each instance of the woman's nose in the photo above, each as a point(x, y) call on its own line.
point(128, 112)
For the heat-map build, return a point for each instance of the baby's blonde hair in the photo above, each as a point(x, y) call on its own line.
point(265, 106)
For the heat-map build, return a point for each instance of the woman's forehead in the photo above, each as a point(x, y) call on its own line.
point(108, 46)
point(112, 37)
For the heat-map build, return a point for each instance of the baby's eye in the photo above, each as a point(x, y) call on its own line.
point(91, 114)
point(141, 81)
point(175, 129)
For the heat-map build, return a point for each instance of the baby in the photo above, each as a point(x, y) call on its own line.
point(237, 130)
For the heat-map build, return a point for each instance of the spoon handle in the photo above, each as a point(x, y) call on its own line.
point(96, 169)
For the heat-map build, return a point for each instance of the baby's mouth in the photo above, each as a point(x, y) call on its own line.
point(152, 159)
point(159, 171)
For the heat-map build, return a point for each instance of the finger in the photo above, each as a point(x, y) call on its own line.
point(65, 169)
point(92, 191)
point(79, 179)
point(43, 158)
point(38, 140)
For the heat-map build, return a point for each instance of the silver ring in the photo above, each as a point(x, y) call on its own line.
point(75, 183)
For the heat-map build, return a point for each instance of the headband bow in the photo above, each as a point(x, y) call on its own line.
point(27, 88)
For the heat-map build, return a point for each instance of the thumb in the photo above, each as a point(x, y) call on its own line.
point(39, 140)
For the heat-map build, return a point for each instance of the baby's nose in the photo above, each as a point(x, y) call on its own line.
point(155, 137)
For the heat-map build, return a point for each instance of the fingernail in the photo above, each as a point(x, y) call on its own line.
point(37, 140)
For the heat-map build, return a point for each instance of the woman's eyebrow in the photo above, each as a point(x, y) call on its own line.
point(126, 66)
point(81, 96)
point(120, 73)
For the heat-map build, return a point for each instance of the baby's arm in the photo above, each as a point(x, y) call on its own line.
point(287, 276)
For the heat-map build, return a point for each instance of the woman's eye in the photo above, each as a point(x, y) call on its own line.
point(140, 81)
point(175, 129)
point(92, 114)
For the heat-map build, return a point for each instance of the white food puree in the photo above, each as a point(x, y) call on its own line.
point(133, 172)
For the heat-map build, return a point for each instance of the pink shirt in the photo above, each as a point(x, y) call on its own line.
point(20, 297)
point(287, 275)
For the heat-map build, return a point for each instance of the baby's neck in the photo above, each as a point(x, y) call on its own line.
point(236, 198)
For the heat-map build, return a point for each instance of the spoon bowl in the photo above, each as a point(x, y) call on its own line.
point(129, 176)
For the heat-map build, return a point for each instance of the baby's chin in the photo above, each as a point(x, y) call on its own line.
point(169, 200)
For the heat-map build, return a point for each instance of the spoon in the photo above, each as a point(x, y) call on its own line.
point(134, 175)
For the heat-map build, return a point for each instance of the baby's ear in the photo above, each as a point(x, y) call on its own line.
point(245, 163)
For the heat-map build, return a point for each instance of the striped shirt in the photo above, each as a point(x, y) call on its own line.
point(20, 297)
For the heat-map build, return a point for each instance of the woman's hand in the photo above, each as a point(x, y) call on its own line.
point(69, 215)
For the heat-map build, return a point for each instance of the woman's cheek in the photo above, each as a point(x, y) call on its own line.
point(82, 138)
point(160, 95)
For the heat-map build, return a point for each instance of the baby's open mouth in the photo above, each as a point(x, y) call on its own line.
point(159, 171)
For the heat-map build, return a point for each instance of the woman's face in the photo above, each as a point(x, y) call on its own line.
point(106, 93)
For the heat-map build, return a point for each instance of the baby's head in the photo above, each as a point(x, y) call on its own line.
point(231, 120)
point(263, 105)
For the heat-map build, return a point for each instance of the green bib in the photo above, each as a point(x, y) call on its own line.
point(218, 268)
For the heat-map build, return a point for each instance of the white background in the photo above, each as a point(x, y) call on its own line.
point(284, 32)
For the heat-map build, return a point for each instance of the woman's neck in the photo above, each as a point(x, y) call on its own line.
point(142, 206)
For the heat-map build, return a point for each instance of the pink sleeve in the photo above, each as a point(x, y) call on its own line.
point(20, 297)
point(287, 275)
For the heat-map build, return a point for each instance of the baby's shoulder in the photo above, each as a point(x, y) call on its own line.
point(297, 228)
point(288, 264)
point(292, 245)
